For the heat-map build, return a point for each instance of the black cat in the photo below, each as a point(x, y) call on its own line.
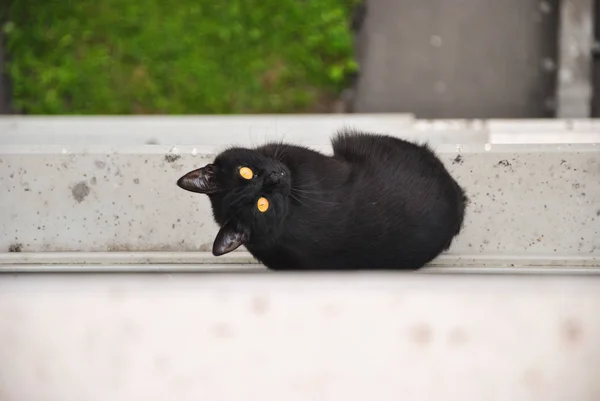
point(378, 203)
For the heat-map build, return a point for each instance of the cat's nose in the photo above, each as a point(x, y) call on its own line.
point(276, 176)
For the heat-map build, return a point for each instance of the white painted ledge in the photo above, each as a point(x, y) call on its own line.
point(215, 130)
point(273, 337)
point(308, 129)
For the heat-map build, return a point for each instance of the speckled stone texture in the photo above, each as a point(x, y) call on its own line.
point(535, 200)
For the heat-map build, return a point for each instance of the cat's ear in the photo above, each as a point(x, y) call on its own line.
point(228, 239)
point(202, 180)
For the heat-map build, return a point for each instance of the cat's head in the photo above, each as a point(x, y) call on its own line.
point(249, 193)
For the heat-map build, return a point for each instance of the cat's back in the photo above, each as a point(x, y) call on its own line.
point(366, 149)
point(385, 162)
point(405, 190)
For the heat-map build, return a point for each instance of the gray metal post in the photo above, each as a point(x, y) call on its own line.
point(574, 89)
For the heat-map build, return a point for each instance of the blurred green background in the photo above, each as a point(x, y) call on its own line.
point(184, 57)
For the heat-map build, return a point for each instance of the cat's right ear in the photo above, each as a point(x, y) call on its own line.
point(228, 239)
point(202, 180)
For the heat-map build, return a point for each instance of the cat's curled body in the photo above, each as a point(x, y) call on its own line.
point(378, 203)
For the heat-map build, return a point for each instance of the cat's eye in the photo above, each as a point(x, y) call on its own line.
point(246, 173)
point(262, 204)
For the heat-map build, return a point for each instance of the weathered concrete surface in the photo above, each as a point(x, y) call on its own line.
point(174, 261)
point(326, 337)
point(524, 200)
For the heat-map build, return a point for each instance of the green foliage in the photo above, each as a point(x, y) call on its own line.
point(177, 57)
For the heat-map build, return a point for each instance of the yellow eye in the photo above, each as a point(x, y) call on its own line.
point(262, 204)
point(246, 173)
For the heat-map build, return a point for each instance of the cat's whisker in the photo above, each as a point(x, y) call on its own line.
point(296, 199)
point(300, 198)
point(308, 198)
point(301, 202)
point(279, 152)
point(313, 184)
point(318, 191)
point(309, 191)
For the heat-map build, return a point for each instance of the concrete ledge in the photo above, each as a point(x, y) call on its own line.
point(170, 262)
point(244, 130)
point(554, 269)
point(302, 129)
point(299, 337)
point(525, 199)
point(544, 131)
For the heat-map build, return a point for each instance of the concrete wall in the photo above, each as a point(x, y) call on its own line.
point(541, 199)
point(95, 185)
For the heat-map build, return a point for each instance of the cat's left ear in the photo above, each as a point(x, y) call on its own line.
point(202, 180)
point(228, 239)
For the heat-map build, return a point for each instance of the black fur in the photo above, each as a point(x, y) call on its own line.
point(378, 203)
